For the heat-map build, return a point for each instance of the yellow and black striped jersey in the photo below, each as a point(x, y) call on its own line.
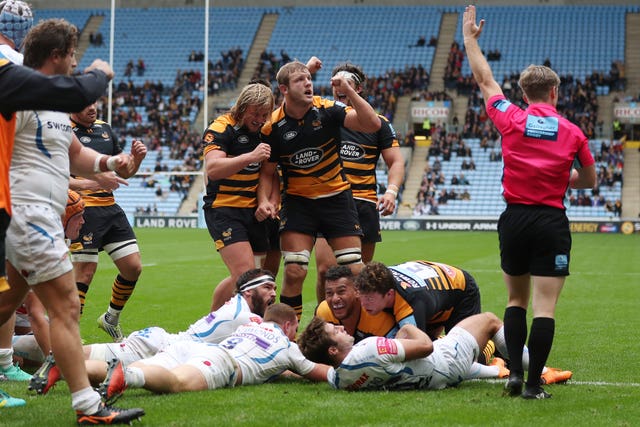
point(307, 150)
point(360, 153)
point(237, 190)
point(382, 324)
point(428, 290)
point(99, 137)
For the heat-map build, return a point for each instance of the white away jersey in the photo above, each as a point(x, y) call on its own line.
point(40, 164)
point(263, 351)
point(220, 324)
point(376, 363)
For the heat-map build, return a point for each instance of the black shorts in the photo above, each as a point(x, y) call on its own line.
point(273, 233)
point(232, 225)
point(333, 216)
point(369, 218)
point(535, 240)
point(468, 306)
point(104, 225)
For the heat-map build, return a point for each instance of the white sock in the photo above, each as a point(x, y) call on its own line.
point(112, 316)
point(6, 358)
point(500, 342)
point(134, 377)
point(501, 346)
point(525, 358)
point(86, 400)
point(478, 370)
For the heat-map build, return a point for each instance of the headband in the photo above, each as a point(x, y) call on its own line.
point(349, 75)
point(258, 281)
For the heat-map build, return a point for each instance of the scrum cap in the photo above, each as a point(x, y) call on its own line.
point(16, 20)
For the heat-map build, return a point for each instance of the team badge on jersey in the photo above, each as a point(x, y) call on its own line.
point(243, 139)
point(87, 239)
point(386, 346)
point(288, 136)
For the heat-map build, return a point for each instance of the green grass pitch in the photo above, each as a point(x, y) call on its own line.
point(596, 337)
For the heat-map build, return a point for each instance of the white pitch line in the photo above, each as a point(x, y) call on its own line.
point(571, 382)
point(604, 383)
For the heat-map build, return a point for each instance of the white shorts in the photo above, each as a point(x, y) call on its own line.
point(453, 356)
point(27, 347)
point(22, 320)
point(138, 345)
point(216, 365)
point(35, 244)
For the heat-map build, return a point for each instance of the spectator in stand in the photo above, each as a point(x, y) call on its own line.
point(617, 208)
point(128, 68)
point(140, 67)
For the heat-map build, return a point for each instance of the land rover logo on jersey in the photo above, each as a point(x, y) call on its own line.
point(351, 151)
point(243, 139)
point(307, 158)
point(290, 135)
point(85, 139)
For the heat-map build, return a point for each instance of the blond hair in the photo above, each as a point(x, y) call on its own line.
point(256, 94)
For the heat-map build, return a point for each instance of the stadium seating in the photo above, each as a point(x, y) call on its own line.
point(485, 188)
point(576, 40)
point(164, 37)
point(378, 38)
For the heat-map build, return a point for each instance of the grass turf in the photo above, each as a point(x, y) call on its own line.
point(595, 338)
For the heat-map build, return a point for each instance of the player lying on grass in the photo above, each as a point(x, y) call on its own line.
point(409, 361)
point(255, 291)
point(435, 297)
point(254, 354)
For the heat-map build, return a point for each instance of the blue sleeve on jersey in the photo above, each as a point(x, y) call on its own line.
point(409, 320)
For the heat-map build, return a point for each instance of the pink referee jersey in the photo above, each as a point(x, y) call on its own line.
point(539, 147)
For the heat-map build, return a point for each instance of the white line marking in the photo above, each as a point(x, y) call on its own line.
point(572, 382)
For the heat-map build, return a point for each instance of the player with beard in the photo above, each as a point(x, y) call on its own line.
point(256, 290)
point(304, 136)
point(253, 354)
